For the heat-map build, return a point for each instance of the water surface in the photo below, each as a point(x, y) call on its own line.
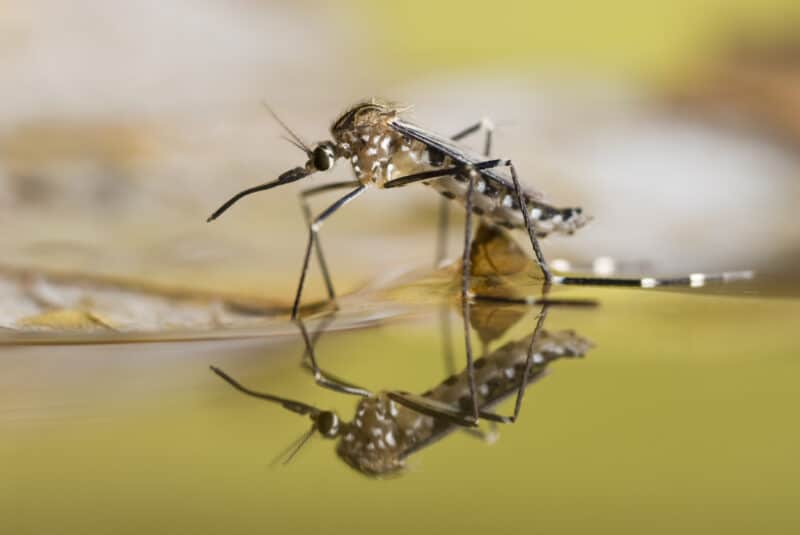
point(681, 417)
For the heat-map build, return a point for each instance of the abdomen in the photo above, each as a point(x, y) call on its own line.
point(499, 206)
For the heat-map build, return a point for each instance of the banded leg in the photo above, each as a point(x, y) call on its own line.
point(537, 250)
point(444, 203)
point(443, 172)
point(692, 281)
point(304, 195)
point(313, 229)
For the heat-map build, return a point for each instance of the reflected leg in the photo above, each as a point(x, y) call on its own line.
point(523, 378)
point(322, 378)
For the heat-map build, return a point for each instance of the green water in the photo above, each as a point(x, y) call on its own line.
point(681, 418)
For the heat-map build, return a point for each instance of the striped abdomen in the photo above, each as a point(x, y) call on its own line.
point(499, 204)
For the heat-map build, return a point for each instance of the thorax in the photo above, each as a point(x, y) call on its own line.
point(379, 154)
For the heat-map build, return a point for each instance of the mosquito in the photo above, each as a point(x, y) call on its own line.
point(386, 151)
point(389, 426)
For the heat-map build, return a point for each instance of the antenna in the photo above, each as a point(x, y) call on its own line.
point(305, 438)
point(295, 139)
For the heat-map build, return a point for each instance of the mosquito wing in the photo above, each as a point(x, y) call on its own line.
point(454, 151)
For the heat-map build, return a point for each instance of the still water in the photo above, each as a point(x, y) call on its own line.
point(681, 415)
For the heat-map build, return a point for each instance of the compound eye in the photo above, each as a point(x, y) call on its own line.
point(322, 158)
point(328, 424)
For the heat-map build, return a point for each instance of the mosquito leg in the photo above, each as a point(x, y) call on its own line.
point(536, 301)
point(695, 280)
point(320, 330)
point(523, 380)
point(304, 195)
point(444, 204)
point(443, 172)
point(433, 408)
point(548, 277)
point(466, 268)
point(468, 131)
point(323, 379)
point(312, 344)
point(487, 127)
point(313, 229)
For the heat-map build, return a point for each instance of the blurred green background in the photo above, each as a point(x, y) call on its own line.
point(649, 40)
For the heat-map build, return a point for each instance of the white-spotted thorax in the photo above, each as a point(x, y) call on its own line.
point(376, 151)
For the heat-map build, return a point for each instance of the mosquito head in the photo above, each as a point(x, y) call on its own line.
point(322, 157)
point(375, 441)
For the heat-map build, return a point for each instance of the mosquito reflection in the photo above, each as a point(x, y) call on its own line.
point(390, 425)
